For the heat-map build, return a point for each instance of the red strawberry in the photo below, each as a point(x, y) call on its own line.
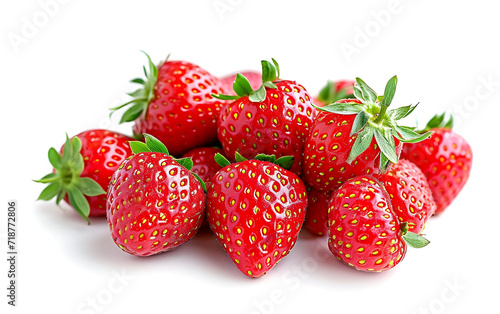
point(83, 170)
point(364, 232)
point(154, 203)
point(175, 105)
point(254, 78)
point(316, 221)
point(204, 164)
point(355, 137)
point(256, 209)
point(445, 158)
point(410, 194)
point(335, 91)
point(272, 120)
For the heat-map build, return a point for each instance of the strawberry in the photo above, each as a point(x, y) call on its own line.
point(364, 232)
point(175, 105)
point(256, 209)
point(204, 164)
point(316, 221)
point(272, 120)
point(254, 78)
point(356, 136)
point(445, 158)
point(83, 169)
point(154, 203)
point(334, 91)
point(410, 194)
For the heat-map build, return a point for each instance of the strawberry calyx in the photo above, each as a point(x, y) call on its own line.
point(374, 119)
point(285, 162)
point(66, 180)
point(142, 96)
point(438, 121)
point(332, 92)
point(152, 144)
point(242, 87)
point(413, 239)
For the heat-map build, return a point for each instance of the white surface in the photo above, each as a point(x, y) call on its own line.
point(76, 64)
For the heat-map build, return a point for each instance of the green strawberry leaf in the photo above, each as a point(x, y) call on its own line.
point(269, 71)
point(142, 96)
point(221, 160)
point(327, 92)
point(390, 90)
point(238, 157)
point(54, 158)
point(285, 162)
point(89, 187)
point(154, 144)
point(435, 121)
point(276, 65)
point(343, 108)
point(359, 122)
point(133, 112)
point(225, 97)
point(50, 191)
point(387, 145)
point(364, 92)
point(384, 163)
point(449, 124)
point(203, 185)
point(401, 112)
point(138, 147)
point(361, 143)
point(79, 202)
point(242, 86)
point(408, 135)
point(186, 162)
point(270, 85)
point(67, 151)
point(258, 95)
point(138, 81)
point(264, 157)
point(51, 177)
point(415, 240)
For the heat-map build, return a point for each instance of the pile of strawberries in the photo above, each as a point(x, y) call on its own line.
point(258, 158)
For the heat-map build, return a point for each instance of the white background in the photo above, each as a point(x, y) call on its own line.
point(63, 65)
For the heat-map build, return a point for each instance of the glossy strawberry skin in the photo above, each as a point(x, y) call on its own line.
point(182, 114)
point(276, 126)
point(153, 204)
point(327, 149)
point(254, 78)
point(103, 151)
point(364, 232)
point(256, 210)
point(411, 197)
point(445, 158)
point(316, 221)
point(204, 164)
